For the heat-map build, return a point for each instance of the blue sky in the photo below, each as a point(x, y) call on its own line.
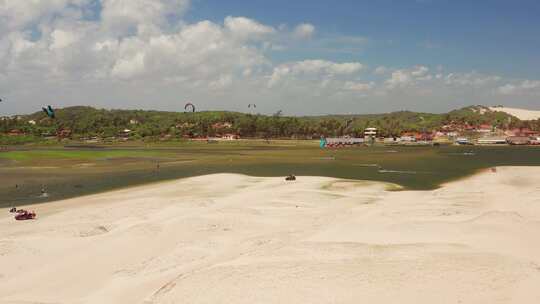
point(302, 57)
point(493, 36)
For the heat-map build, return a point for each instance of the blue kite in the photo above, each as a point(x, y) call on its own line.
point(322, 143)
point(49, 111)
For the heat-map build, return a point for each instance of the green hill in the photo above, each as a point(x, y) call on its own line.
point(87, 122)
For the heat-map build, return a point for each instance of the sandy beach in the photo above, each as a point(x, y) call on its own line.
point(237, 239)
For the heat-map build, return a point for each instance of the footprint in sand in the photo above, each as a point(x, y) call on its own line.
point(93, 232)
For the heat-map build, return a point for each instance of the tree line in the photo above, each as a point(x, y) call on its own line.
point(87, 122)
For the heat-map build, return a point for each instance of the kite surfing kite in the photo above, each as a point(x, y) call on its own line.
point(189, 107)
point(252, 105)
point(49, 111)
point(322, 143)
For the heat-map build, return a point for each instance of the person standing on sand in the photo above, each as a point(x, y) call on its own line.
point(43, 191)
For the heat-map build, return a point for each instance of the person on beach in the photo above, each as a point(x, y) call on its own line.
point(43, 191)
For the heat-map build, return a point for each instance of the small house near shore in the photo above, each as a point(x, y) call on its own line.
point(64, 133)
point(491, 141)
point(15, 132)
point(518, 140)
point(370, 132)
point(343, 141)
point(125, 134)
point(230, 137)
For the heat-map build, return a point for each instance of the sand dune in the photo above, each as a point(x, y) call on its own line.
point(522, 114)
point(237, 239)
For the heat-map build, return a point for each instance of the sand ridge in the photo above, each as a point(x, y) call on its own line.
point(522, 114)
point(229, 238)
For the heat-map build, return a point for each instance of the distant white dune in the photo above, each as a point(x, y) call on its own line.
point(522, 114)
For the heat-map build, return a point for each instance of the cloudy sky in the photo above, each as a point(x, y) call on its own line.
point(301, 56)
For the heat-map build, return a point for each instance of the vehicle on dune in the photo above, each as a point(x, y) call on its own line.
point(290, 178)
point(22, 215)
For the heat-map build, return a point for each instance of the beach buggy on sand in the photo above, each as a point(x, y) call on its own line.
point(22, 215)
point(290, 178)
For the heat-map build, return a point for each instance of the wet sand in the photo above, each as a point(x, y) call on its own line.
point(228, 238)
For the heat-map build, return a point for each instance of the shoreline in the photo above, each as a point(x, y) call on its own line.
point(397, 186)
point(89, 172)
point(58, 205)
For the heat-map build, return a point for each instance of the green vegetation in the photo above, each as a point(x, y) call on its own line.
point(18, 140)
point(87, 122)
point(36, 155)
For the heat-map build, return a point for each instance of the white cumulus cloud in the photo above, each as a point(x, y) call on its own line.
point(304, 31)
point(521, 88)
point(246, 28)
point(359, 86)
point(143, 53)
point(313, 69)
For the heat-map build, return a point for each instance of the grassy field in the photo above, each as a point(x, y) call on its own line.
point(68, 172)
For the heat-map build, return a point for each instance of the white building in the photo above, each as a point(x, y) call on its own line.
point(370, 132)
point(407, 138)
point(491, 141)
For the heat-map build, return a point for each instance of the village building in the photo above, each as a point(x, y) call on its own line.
point(370, 133)
point(416, 136)
point(343, 141)
point(520, 132)
point(407, 137)
point(518, 140)
point(230, 137)
point(484, 128)
point(16, 132)
point(450, 133)
point(124, 134)
point(32, 122)
point(534, 141)
point(222, 125)
point(64, 133)
point(491, 141)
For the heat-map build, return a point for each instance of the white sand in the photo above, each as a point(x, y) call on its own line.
point(522, 114)
point(237, 239)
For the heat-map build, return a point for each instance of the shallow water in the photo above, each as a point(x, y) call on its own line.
point(432, 166)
